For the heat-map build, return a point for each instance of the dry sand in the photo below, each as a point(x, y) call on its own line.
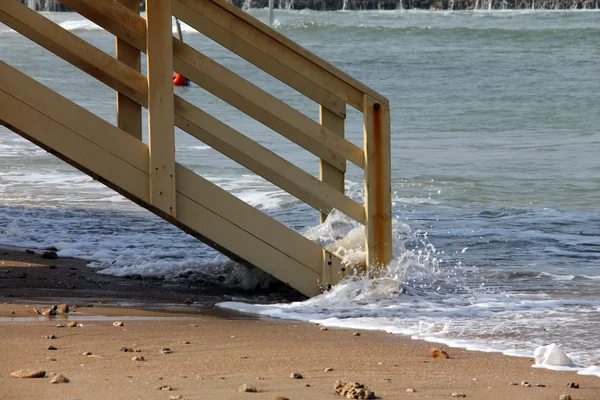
point(225, 350)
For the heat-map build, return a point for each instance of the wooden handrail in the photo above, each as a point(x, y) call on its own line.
point(265, 29)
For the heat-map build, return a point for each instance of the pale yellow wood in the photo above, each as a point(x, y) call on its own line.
point(254, 53)
point(378, 188)
point(293, 46)
point(119, 19)
point(129, 113)
point(72, 145)
point(249, 218)
point(333, 270)
point(247, 36)
point(265, 108)
point(219, 230)
point(332, 176)
point(161, 128)
point(72, 116)
point(264, 162)
point(73, 49)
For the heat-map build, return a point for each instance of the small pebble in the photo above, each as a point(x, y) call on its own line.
point(126, 349)
point(526, 384)
point(176, 397)
point(514, 384)
point(50, 337)
point(186, 342)
point(247, 388)
point(60, 326)
point(573, 385)
point(411, 390)
point(118, 323)
point(279, 398)
point(323, 328)
point(51, 359)
point(87, 353)
point(565, 397)
point(72, 324)
point(60, 378)
point(62, 308)
point(540, 385)
point(307, 385)
point(13, 313)
point(138, 358)
point(356, 334)
point(164, 387)
point(456, 394)
point(328, 369)
point(51, 347)
point(296, 375)
point(166, 350)
point(49, 255)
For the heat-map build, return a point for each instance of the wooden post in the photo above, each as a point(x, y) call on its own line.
point(129, 113)
point(329, 174)
point(378, 187)
point(161, 131)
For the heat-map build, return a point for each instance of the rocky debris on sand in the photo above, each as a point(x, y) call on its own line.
point(411, 390)
point(539, 385)
point(46, 311)
point(247, 388)
point(434, 352)
point(51, 347)
point(573, 385)
point(164, 387)
point(138, 358)
point(50, 337)
point(279, 398)
point(456, 394)
point(118, 323)
point(51, 359)
point(61, 326)
point(87, 353)
point(72, 324)
point(28, 373)
point(514, 384)
point(176, 397)
point(13, 313)
point(356, 334)
point(296, 375)
point(353, 390)
point(165, 350)
point(60, 378)
point(49, 255)
point(62, 308)
point(323, 328)
point(126, 349)
point(328, 370)
point(307, 385)
point(565, 397)
point(526, 384)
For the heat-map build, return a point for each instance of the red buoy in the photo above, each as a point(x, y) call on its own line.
point(179, 80)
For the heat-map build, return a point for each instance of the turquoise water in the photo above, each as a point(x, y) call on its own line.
point(495, 164)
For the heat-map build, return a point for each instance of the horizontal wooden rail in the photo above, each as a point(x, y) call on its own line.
point(292, 179)
point(232, 88)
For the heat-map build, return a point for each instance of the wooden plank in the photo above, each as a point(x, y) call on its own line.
point(247, 35)
point(288, 74)
point(129, 113)
point(218, 229)
point(332, 176)
point(264, 162)
point(248, 218)
point(73, 145)
point(293, 46)
point(265, 108)
point(74, 50)
point(378, 187)
point(73, 116)
point(130, 27)
point(119, 19)
point(161, 126)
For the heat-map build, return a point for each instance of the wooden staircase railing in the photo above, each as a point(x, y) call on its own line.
point(149, 175)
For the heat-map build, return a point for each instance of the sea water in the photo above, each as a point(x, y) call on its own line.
point(495, 168)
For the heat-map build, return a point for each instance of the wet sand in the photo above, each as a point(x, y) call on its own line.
point(225, 349)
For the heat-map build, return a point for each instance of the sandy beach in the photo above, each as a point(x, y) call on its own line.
point(214, 352)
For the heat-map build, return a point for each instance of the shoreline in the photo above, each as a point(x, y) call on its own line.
point(227, 348)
